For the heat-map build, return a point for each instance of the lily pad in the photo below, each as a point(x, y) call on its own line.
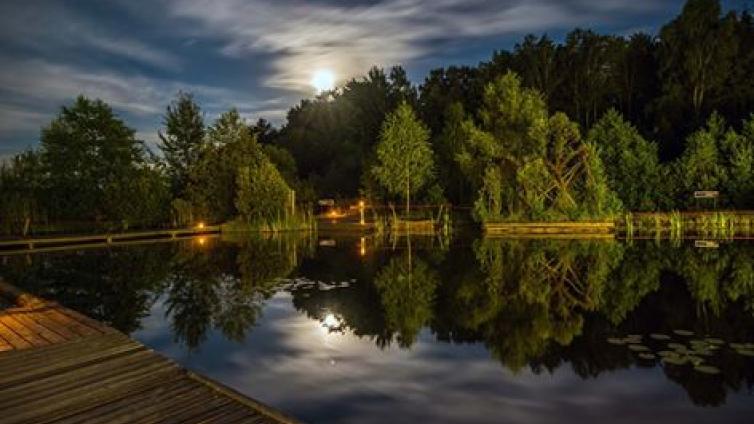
point(715, 341)
point(667, 353)
point(616, 341)
point(695, 360)
point(745, 352)
point(672, 360)
point(707, 369)
point(647, 356)
point(638, 348)
point(677, 346)
point(658, 336)
point(684, 332)
point(738, 345)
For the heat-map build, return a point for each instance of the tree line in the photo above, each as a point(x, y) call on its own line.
point(90, 172)
point(547, 131)
point(657, 110)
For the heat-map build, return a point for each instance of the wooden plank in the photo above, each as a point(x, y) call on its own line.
point(4, 345)
point(197, 411)
point(139, 407)
point(61, 382)
point(17, 359)
point(70, 323)
point(204, 416)
point(102, 376)
point(43, 319)
point(34, 326)
point(106, 238)
point(26, 333)
point(86, 321)
point(101, 401)
point(148, 411)
point(59, 364)
point(12, 338)
point(84, 397)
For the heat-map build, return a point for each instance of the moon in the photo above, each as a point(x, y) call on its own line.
point(323, 80)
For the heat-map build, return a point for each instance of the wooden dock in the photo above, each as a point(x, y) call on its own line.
point(57, 365)
point(580, 229)
point(50, 243)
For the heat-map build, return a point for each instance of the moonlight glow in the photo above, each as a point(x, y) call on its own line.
point(323, 80)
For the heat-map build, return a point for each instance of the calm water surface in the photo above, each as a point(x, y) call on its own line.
point(351, 330)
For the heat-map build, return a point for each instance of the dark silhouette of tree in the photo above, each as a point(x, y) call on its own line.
point(183, 141)
point(96, 170)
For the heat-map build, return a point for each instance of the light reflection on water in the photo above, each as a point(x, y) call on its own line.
point(474, 331)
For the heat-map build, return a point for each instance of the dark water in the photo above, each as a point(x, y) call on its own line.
point(465, 331)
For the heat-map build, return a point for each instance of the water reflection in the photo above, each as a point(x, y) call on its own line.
point(534, 306)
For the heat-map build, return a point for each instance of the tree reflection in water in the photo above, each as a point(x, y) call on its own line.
point(224, 288)
point(536, 304)
point(541, 304)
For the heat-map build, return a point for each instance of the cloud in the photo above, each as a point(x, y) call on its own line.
point(40, 87)
point(256, 55)
point(349, 39)
point(49, 28)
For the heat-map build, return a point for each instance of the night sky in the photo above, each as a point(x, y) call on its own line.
point(258, 56)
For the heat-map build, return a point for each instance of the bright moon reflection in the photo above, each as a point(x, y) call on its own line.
point(331, 322)
point(323, 80)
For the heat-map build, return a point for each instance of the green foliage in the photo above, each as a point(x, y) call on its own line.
point(183, 140)
point(212, 188)
point(447, 146)
point(631, 163)
point(718, 158)
point(404, 156)
point(407, 290)
point(22, 186)
point(96, 170)
point(529, 166)
point(262, 194)
point(332, 137)
point(538, 292)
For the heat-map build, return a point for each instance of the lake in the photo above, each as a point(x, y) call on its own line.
point(337, 329)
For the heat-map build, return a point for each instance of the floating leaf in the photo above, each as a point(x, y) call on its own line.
point(738, 345)
point(684, 332)
point(638, 348)
point(648, 356)
point(745, 352)
point(616, 341)
point(715, 341)
point(667, 353)
point(674, 360)
point(695, 360)
point(677, 346)
point(657, 336)
point(707, 369)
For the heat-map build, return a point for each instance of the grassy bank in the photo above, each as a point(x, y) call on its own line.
point(302, 221)
point(676, 224)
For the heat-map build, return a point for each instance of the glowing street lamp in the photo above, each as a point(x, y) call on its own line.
point(361, 210)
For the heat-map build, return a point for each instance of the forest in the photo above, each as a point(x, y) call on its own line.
point(583, 128)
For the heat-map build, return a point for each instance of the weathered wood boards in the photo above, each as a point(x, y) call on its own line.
point(111, 379)
point(57, 365)
point(98, 239)
point(25, 328)
point(550, 228)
